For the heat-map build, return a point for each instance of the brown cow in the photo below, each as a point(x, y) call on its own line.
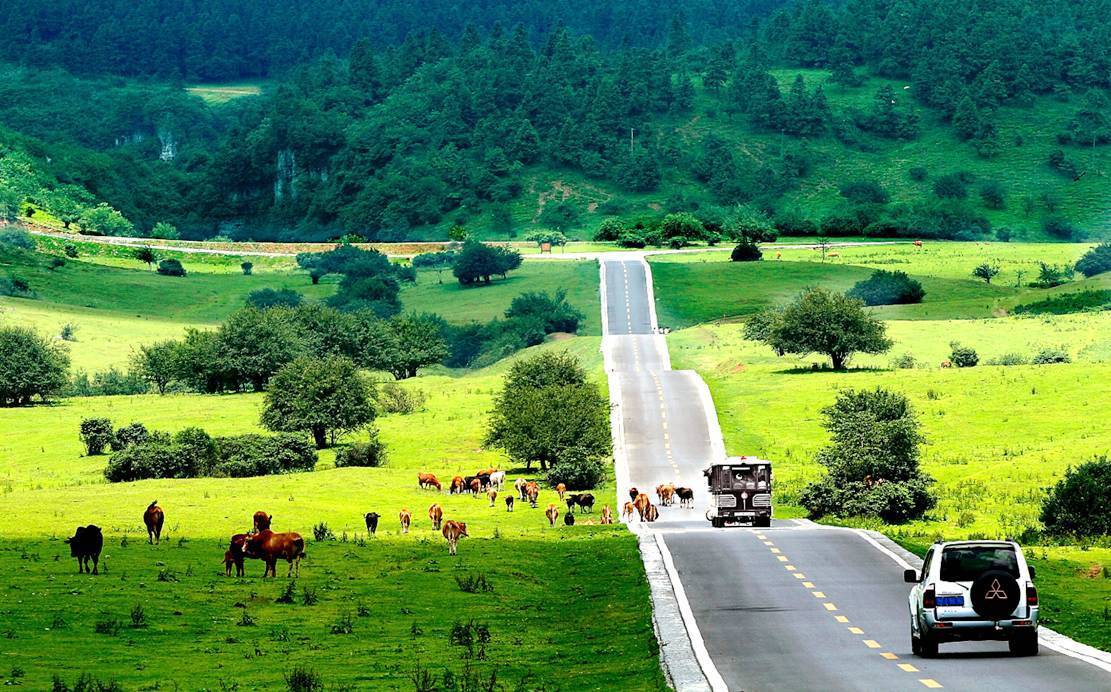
point(509, 503)
point(261, 521)
point(533, 495)
point(552, 512)
point(627, 511)
point(456, 486)
point(607, 515)
point(560, 489)
point(476, 486)
point(492, 494)
point(154, 517)
point(406, 517)
point(428, 480)
point(234, 554)
point(436, 514)
point(453, 531)
point(642, 503)
point(270, 547)
point(651, 514)
point(667, 495)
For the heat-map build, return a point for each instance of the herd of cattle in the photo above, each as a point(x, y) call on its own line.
point(261, 543)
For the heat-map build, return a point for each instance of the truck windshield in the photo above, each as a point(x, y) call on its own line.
point(967, 563)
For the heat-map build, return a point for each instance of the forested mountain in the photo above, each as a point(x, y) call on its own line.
point(912, 117)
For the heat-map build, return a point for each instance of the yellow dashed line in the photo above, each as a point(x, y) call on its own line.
point(856, 630)
point(818, 594)
point(781, 558)
point(907, 668)
point(768, 542)
point(775, 550)
point(808, 584)
point(760, 536)
point(889, 656)
point(871, 644)
point(930, 682)
point(829, 606)
point(841, 618)
point(789, 568)
point(800, 575)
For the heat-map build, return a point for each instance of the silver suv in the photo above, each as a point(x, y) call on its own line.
point(973, 591)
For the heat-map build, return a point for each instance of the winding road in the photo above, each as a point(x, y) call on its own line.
point(797, 606)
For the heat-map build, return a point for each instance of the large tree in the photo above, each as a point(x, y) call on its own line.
point(478, 262)
point(820, 321)
point(415, 341)
point(324, 397)
point(30, 366)
point(156, 363)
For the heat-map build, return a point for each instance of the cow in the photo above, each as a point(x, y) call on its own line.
point(667, 495)
point(492, 493)
point(154, 517)
point(533, 492)
point(428, 480)
point(569, 519)
point(633, 492)
point(371, 522)
point(234, 554)
point(946, 363)
point(456, 487)
point(642, 503)
point(406, 517)
point(476, 486)
point(519, 486)
point(571, 501)
point(483, 481)
point(651, 514)
point(436, 515)
point(560, 490)
point(497, 478)
point(261, 521)
point(270, 547)
point(607, 515)
point(509, 503)
point(552, 512)
point(86, 544)
point(686, 497)
point(453, 531)
point(627, 511)
point(586, 502)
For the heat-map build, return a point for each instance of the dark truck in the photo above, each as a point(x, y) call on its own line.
point(740, 492)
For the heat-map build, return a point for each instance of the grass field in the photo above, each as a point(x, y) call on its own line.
point(217, 94)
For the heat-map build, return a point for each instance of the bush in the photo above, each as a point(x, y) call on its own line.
point(304, 679)
point(1050, 275)
point(631, 239)
point(888, 288)
point(393, 398)
point(677, 242)
point(70, 251)
point(321, 532)
point(155, 458)
point(15, 287)
point(1095, 261)
point(1059, 227)
point(553, 312)
point(171, 267)
point(991, 193)
point(191, 453)
point(133, 434)
point(918, 173)
point(247, 268)
point(96, 434)
point(864, 192)
point(110, 382)
point(950, 186)
point(15, 238)
point(962, 356)
point(904, 362)
point(610, 230)
point(30, 366)
point(56, 263)
point(1008, 359)
point(364, 454)
point(264, 298)
point(577, 470)
point(893, 502)
point(1048, 356)
point(746, 252)
point(259, 455)
point(1080, 504)
point(1078, 301)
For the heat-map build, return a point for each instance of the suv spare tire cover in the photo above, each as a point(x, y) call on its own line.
point(995, 595)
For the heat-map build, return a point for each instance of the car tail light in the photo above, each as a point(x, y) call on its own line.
point(929, 597)
point(1031, 594)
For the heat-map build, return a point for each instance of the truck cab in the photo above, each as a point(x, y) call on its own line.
point(740, 492)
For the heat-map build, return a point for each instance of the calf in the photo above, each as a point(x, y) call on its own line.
point(642, 503)
point(492, 494)
point(428, 480)
point(509, 503)
point(607, 515)
point(686, 497)
point(436, 514)
point(560, 489)
point(651, 514)
point(261, 521)
point(406, 517)
point(234, 554)
point(456, 486)
point(569, 519)
point(667, 495)
point(85, 545)
point(453, 531)
point(154, 517)
point(371, 522)
point(271, 547)
point(552, 512)
point(627, 511)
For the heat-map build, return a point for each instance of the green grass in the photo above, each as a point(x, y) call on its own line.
point(218, 94)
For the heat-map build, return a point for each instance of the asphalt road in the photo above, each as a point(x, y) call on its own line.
point(796, 606)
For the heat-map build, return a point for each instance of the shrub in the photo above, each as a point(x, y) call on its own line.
point(15, 287)
point(259, 455)
point(366, 454)
point(677, 242)
point(393, 398)
point(135, 433)
point(610, 229)
point(70, 251)
point(304, 679)
point(962, 356)
point(108, 625)
point(110, 382)
point(950, 186)
point(631, 239)
point(887, 288)
point(247, 268)
point(138, 616)
point(1048, 356)
point(1008, 359)
point(264, 298)
point(1077, 301)
point(344, 625)
point(56, 263)
point(171, 267)
point(321, 532)
point(1095, 261)
point(30, 366)
point(986, 271)
point(68, 332)
point(904, 362)
point(746, 252)
point(155, 458)
point(554, 312)
point(577, 469)
point(97, 434)
point(1050, 275)
point(864, 192)
point(991, 193)
point(1060, 227)
point(1080, 503)
point(918, 173)
point(16, 238)
point(474, 583)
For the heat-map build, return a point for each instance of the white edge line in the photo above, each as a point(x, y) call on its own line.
point(659, 340)
point(1050, 639)
point(713, 426)
point(693, 633)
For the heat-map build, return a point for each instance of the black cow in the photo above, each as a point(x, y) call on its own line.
point(86, 544)
point(467, 482)
point(371, 522)
point(484, 479)
point(571, 501)
point(585, 501)
point(569, 519)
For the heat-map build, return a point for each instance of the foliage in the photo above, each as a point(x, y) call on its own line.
point(16, 238)
point(746, 252)
point(131, 434)
point(864, 192)
point(1095, 261)
point(986, 271)
point(888, 288)
point(1080, 504)
point(104, 220)
point(1066, 303)
point(1048, 356)
point(165, 231)
point(1050, 275)
point(477, 262)
point(30, 366)
point(321, 396)
point(96, 434)
point(962, 356)
point(247, 268)
point(553, 312)
point(611, 229)
point(16, 287)
point(171, 267)
point(146, 255)
point(110, 382)
point(390, 397)
point(264, 298)
point(820, 321)
point(578, 468)
point(412, 342)
point(367, 454)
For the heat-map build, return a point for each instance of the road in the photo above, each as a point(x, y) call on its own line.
point(797, 606)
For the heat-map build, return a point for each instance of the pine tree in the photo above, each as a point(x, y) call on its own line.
point(966, 118)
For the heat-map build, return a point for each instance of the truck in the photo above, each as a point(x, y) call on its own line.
point(740, 492)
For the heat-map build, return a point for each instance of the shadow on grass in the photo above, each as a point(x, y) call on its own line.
point(830, 371)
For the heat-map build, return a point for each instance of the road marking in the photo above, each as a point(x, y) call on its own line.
point(930, 682)
point(800, 575)
point(781, 558)
point(767, 542)
point(818, 594)
point(872, 644)
point(775, 551)
point(808, 584)
point(841, 618)
point(889, 656)
point(856, 630)
point(829, 606)
point(907, 667)
point(760, 536)
point(790, 568)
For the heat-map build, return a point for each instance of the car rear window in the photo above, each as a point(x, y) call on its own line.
point(968, 563)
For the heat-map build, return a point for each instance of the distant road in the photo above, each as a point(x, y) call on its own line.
point(797, 606)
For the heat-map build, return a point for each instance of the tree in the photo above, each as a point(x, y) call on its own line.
point(820, 321)
point(254, 344)
point(171, 267)
point(30, 366)
point(547, 412)
point(682, 225)
point(325, 397)
point(415, 341)
point(264, 298)
point(164, 230)
point(553, 238)
point(986, 271)
point(748, 224)
point(104, 220)
point(156, 363)
point(888, 288)
point(145, 254)
point(67, 203)
point(555, 313)
point(478, 262)
point(1080, 504)
point(96, 435)
point(1095, 261)
point(247, 268)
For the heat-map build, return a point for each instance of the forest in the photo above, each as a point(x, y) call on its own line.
point(371, 122)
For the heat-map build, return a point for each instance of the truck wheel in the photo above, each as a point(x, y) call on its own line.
point(763, 522)
point(924, 645)
point(1024, 644)
point(717, 523)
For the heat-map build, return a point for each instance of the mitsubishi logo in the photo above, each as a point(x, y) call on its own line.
point(996, 592)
